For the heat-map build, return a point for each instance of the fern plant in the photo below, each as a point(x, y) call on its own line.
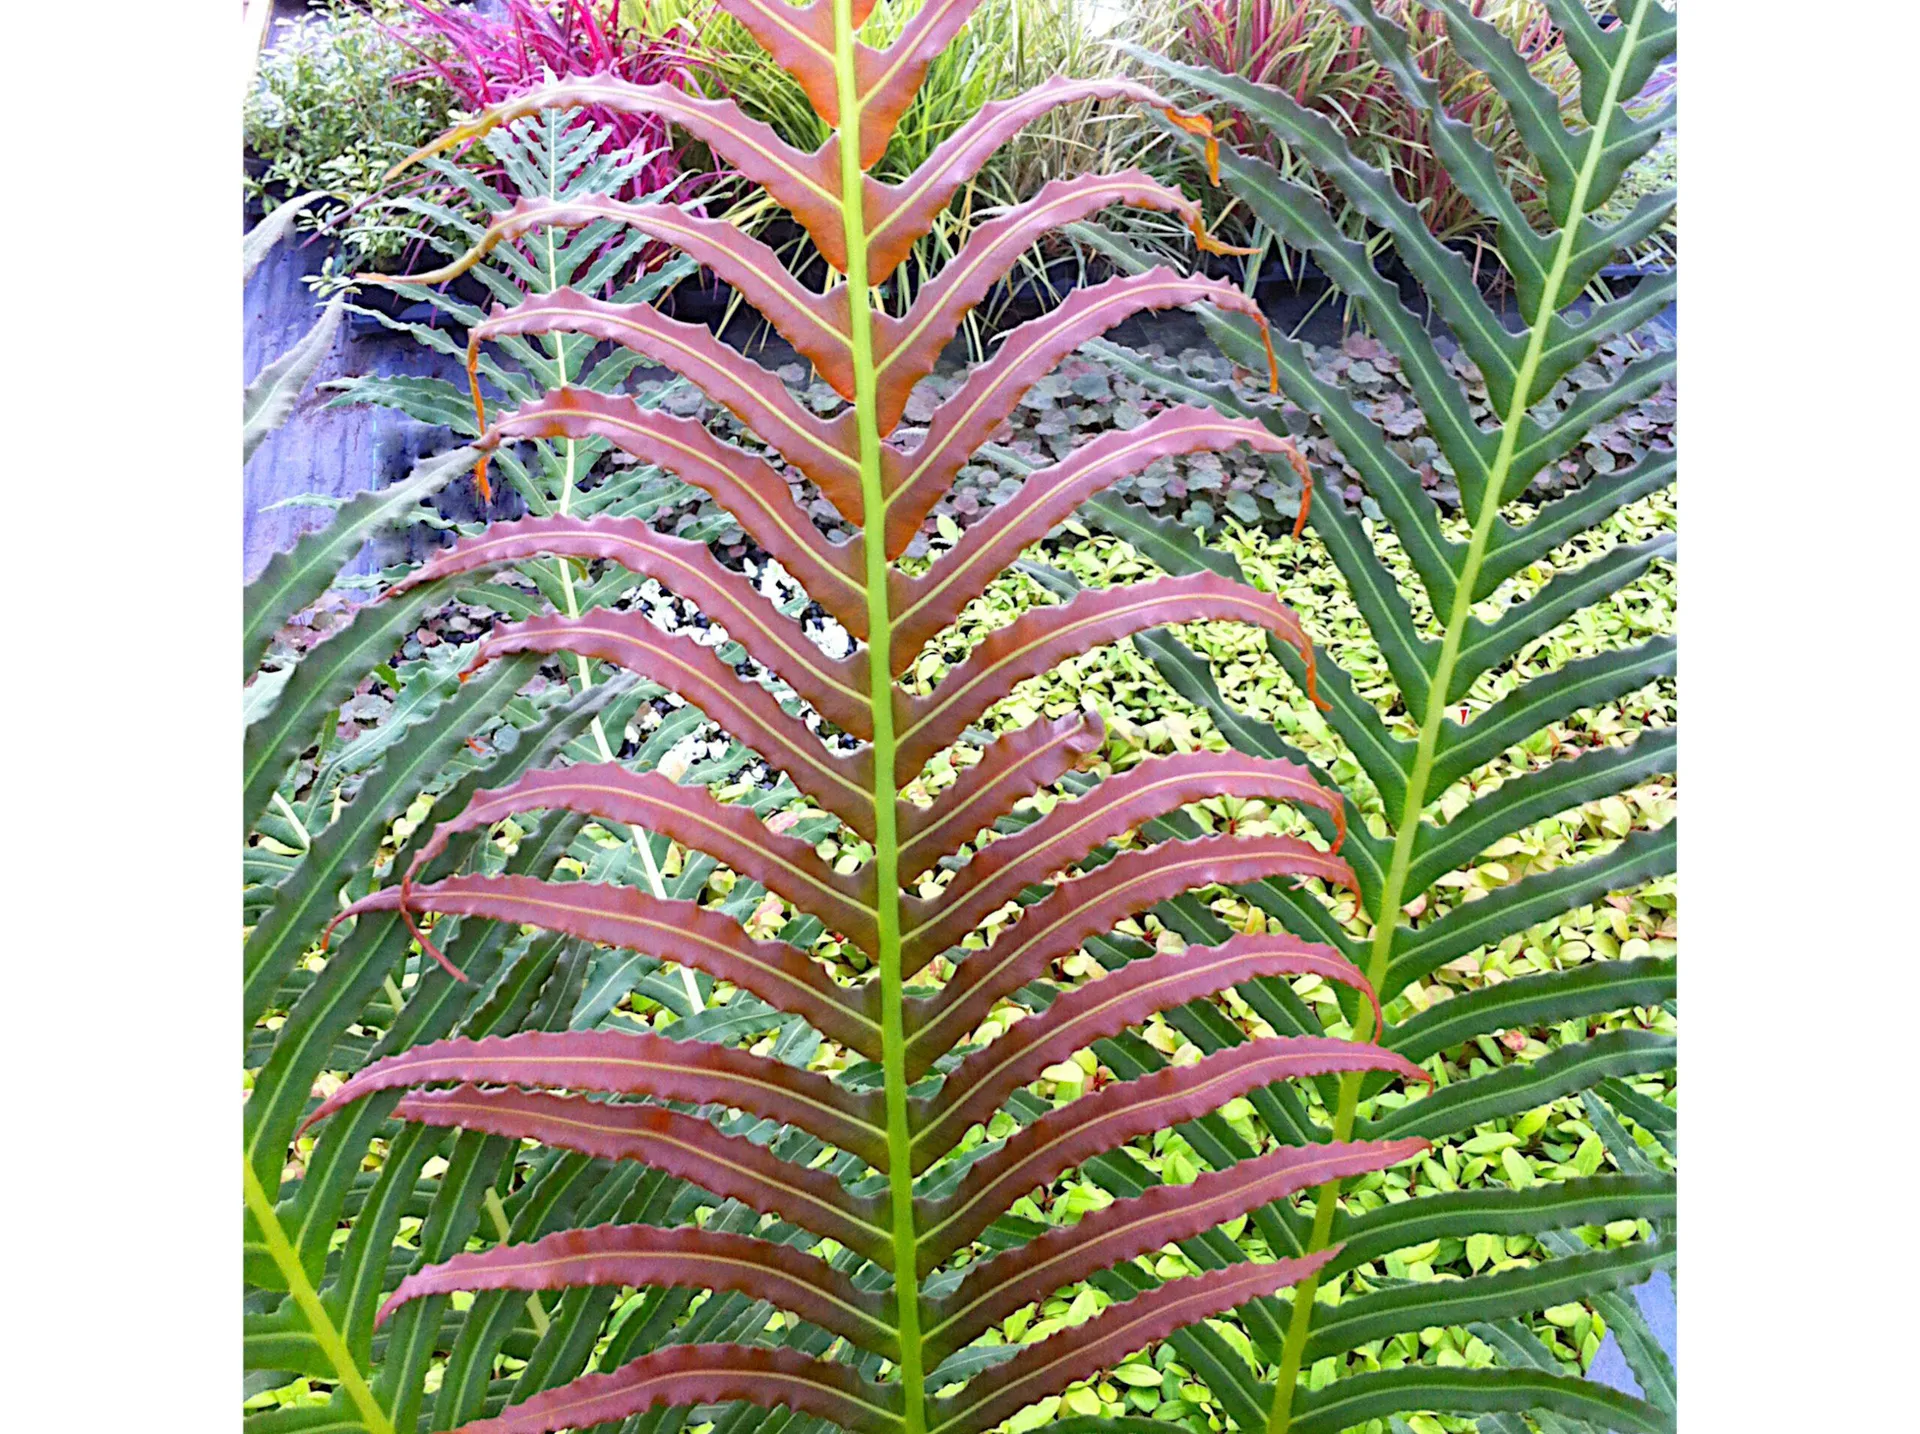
point(551, 160)
point(856, 1203)
point(1441, 661)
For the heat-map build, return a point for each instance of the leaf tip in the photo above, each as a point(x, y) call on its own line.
point(1313, 688)
point(1273, 359)
point(406, 915)
point(1206, 242)
point(1305, 474)
point(1199, 124)
point(479, 421)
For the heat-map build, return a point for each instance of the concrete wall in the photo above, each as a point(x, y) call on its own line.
point(336, 451)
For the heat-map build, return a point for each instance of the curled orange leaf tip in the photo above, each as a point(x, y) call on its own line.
point(1313, 688)
point(1202, 126)
point(1207, 243)
point(1273, 361)
point(479, 422)
point(1306, 487)
point(458, 135)
point(421, 937)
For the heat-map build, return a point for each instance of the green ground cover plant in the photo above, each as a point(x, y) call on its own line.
point(419, 1259)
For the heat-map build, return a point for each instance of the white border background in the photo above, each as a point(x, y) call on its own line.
point(118, 757)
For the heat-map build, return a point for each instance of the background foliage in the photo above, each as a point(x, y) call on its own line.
point(327, 115)
point(367, 81)
point(354, 87)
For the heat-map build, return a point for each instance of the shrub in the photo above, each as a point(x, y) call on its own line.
point(326, 116)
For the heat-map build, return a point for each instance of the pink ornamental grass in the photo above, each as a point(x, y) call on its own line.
point(487, 58)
